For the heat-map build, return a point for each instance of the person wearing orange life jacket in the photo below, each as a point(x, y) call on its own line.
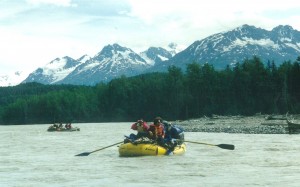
point(156, 131)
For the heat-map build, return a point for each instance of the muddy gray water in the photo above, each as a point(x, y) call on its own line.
point(31, 156)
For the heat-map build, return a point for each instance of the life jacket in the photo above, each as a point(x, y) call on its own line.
point(157, 130)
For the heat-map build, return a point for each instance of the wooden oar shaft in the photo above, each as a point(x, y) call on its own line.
point(200, 143)
point(88, 153)
point(223, 146)
point(106, 147)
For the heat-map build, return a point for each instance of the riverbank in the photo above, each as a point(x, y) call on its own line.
point(258, 124)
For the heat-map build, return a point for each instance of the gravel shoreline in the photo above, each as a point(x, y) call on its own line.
point(258, 124)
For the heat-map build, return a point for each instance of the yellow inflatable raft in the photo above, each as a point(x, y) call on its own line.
point(147, 149)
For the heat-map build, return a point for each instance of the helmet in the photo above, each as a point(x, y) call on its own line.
point(157, 120)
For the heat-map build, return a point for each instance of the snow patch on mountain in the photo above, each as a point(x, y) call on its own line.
point(54, 71)
point(90, 66)
point(268, 43)
point(57, 69)
point(148, 60)
point(221, 49)
point(84, 58)
point(294, 46)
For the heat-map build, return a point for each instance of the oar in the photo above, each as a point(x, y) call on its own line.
point(223, 146)
point(87, 153)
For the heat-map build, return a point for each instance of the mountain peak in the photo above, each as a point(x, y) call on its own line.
point(54, 71)
point(287, 34)
point(283, 28)
point(60, 63)
point(246, 26)
point(156, 55)
point(220, 50)
point(115, 47)
point(111, 50)
point(247, 29)
point(284, 31)
point(226, 48)
point(84, 58)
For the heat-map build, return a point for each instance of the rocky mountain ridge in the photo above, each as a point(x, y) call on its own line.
point(280, 44)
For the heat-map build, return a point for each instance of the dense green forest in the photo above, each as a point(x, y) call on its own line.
point(249, 88)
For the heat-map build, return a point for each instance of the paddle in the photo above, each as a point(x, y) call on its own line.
point(223, 146)
point(87, 153)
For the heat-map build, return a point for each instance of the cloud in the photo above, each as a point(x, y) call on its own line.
point(35, 32)
point(191, 20)
point(64, 3)
point(200, 14)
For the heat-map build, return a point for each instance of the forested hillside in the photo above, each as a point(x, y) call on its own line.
point(246, 89)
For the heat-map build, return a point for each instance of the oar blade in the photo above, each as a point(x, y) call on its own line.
point(84, 154)
point(226, 146)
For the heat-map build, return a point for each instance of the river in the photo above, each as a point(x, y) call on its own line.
point(30, 156)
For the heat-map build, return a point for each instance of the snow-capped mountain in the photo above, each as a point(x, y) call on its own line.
point(12, 79)
point(55, 71)
point(280, 44)
point(111, 62)
point(155, 55)
point(227, 48)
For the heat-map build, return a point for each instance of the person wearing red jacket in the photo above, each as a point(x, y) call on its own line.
point(141, 127)
point(156, 131)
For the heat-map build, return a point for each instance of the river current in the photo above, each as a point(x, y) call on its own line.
point(30, 156)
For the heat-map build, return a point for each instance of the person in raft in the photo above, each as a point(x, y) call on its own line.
point(142, 130)
point(174, 135)
point(156, 131)
point(141, 127)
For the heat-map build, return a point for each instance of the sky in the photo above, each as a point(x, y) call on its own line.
point(35, 32)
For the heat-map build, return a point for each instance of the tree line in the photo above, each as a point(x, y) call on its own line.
point(247, 88)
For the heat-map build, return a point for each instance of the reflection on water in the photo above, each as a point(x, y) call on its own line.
point(31, 156)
